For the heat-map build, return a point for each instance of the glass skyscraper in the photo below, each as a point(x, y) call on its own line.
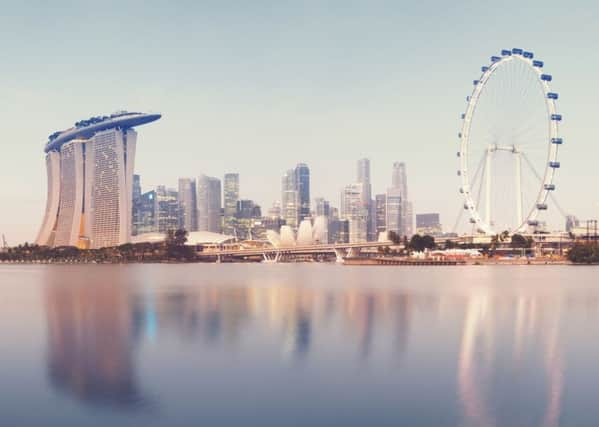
point(188, 207)
point(399, 184)
point(364, 179)
point(295, 195)
point(231, 197)
point(302, 177)
point(289, 199)
point(353, 209)
point(167, 209)
point(209, 204)
point(381, 213)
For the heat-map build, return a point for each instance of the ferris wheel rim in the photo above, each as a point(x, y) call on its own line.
point(553, 118)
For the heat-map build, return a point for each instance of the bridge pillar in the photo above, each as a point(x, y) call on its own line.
point(339, 254)
point(353, 252)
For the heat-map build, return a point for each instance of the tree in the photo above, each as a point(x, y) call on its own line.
point(419, 243)
point(450, 244)
point(584, 253)
point(519, 241)
point(175, 245)
point(394, 237)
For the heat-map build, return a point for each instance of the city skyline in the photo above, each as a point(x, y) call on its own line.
point(226, 114)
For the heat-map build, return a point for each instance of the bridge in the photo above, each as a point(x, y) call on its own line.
point(276, 254)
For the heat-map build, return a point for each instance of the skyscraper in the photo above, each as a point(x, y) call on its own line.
point(381, 213)
point(302, 176)
point(146, 216)
point(90, 182)
point(188, 207)
point(399, 183)
point(231, 197)
point(428, 223)
point(364, 179)
point(353, 209)
point(167, 209)
point(209, 204)
point(322, 207)
point(393, 210)
point(136, 205)
point(289, 199)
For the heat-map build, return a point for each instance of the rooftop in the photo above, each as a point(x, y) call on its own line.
point(87, 128)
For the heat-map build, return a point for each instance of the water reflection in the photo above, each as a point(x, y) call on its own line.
point(536, 342)
point(499, 352)
point(90, 353)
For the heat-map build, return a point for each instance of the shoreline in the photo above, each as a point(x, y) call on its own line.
point(362, 262)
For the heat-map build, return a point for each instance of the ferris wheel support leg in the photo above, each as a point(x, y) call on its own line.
point(519, 188)
point(488, 188)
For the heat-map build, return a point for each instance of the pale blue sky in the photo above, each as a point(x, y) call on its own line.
point(255, 87)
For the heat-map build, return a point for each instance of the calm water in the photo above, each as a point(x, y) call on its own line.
point(306, 344)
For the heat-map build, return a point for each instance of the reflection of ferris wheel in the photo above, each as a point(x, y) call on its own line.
point(509, 144)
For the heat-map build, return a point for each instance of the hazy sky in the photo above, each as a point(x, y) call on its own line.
point(256, 86)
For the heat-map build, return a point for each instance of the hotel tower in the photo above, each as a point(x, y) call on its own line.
point(90, 182)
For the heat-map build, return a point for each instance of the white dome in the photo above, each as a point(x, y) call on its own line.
point(320, 231)
point(287, 236)
point(304, 233)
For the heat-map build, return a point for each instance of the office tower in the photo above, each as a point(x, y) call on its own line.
point(275, 210)
point(249, 224)
point(338, 231)
point(146, 217)
point(136, 187)
point(381, 213)
point(248, 209)
point(353, 209)
point(289, 199)
point(393, 209)
point(188, 207)
point(90, 182)
point(322, 207)
point(428, 223)
point(209, 204)
point(408, 219)
point(364, 179)
point(302, 177)
point(135, 205)
point(231, 196)
point(167, 209)
point(399, 183)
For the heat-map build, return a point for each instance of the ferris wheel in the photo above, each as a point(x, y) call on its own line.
point(509, 144)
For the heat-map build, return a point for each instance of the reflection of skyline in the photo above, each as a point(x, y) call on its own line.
point(89, 348)
point(218, 316)
point(491, 356)
point(535, 341)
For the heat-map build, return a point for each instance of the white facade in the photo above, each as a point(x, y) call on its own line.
point(90, 190)
point(69, 223)
point(47, 232)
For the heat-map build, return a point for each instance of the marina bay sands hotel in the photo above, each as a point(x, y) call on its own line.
point(90, 182)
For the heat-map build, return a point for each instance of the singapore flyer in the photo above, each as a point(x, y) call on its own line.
point(509, 144)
